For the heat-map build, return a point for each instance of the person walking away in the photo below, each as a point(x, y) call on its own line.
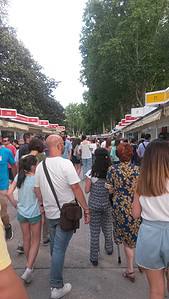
point(24, 148)
point(99, 204)
point(36, 148)
point(10, 284)
point(86, 155)
point(122, 179)
point(67, 154)
point(135, 159)
point(142, 146)
point(6, 158)
point(113, 154)
point(152, 204)
point(28, 211)
point(108, 146)
point(93, 147)
point(76, 157)
point(66, 184)
point(7, 143)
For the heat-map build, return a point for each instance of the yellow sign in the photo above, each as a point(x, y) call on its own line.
point(157, 97)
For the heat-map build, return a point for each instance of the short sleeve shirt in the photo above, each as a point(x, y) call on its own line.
point(4, 256)
point(63, 175)
point(6, 158)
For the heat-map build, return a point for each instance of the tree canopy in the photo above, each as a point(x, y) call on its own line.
point(23, 84)
point(124, 54)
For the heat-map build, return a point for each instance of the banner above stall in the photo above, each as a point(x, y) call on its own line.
point(157, 97)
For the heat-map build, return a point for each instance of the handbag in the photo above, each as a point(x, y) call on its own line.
point(70, 213)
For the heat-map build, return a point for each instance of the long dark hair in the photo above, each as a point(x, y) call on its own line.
point(101, 164)
point(25, 165)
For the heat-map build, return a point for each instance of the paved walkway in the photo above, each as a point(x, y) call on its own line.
point(103, 282)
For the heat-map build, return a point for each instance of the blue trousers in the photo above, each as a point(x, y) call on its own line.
point(59, 241)
point(87, 165)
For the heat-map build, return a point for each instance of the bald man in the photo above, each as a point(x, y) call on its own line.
point(67, 188)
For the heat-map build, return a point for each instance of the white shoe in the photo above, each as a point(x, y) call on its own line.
point(27, 275)
point(59, 293)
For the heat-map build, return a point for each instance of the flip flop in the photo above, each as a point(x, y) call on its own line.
point(129, 275)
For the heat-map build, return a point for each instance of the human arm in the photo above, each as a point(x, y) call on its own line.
point(78, 193)
point(87, 185)
point(40, 199)
point(10, 194)
point(10, 284)
point(136, 207)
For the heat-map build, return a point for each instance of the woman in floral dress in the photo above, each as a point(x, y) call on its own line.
point(122, 179)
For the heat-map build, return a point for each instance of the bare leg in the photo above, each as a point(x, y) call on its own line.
point(3, 212)
point(35, 242)
point(156, 283)
point(129, 253)
point(25, 226)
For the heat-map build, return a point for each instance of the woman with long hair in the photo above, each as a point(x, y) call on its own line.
point(99, 204)
point(152, 204)
point(28, 211)
point(122, 179)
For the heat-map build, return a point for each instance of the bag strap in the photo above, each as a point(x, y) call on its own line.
point(50, 183)
point(143, 144)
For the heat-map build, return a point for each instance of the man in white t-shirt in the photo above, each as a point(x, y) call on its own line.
point(66, 183)
point(86, 154)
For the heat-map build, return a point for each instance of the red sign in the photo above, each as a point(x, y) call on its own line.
point(8, 113)
point(128, 117)
point(22, 118)
point(43, 123)
point(34, 120)
point(53, 126)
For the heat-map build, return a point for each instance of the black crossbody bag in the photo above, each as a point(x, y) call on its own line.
point(70, 213)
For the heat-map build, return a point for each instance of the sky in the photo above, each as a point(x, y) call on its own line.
point(51, 31)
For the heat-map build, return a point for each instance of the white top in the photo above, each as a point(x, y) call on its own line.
point(89, 176)
point(103, 144)
point(93, 147)
point(85, 148)
point(155, 208)
point(63, 175)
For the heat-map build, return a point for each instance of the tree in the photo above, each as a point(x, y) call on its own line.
point(122, 47)
point(23, 84)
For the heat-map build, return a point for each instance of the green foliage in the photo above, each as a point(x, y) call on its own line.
point(23, 84)
point(123, 47)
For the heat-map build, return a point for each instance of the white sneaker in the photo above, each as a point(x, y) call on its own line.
point(27, 275)
point(59, 293)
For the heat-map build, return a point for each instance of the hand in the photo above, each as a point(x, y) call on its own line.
point(86, 216)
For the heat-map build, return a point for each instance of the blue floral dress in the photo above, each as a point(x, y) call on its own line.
point(123, 177)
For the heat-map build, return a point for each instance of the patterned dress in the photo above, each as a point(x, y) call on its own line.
point(123, 177)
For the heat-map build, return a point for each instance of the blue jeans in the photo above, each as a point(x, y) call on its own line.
point(87, 165)
point(59, 241)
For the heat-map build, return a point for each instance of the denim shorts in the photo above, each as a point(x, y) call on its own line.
point(32, 220)
point(152, 248)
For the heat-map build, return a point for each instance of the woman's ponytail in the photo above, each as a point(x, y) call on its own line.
point(25, 165)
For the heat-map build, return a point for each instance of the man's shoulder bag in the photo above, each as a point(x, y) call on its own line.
point(70, 213)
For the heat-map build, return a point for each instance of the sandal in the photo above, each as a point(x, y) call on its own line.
point(129, 275)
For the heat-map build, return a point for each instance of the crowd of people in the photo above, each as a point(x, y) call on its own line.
point(127, 182)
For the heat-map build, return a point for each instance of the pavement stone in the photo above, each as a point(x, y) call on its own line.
point(103, 282)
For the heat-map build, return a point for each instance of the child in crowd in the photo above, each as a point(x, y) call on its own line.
point(152, 204)
point(99, 204)
point(28, 211)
